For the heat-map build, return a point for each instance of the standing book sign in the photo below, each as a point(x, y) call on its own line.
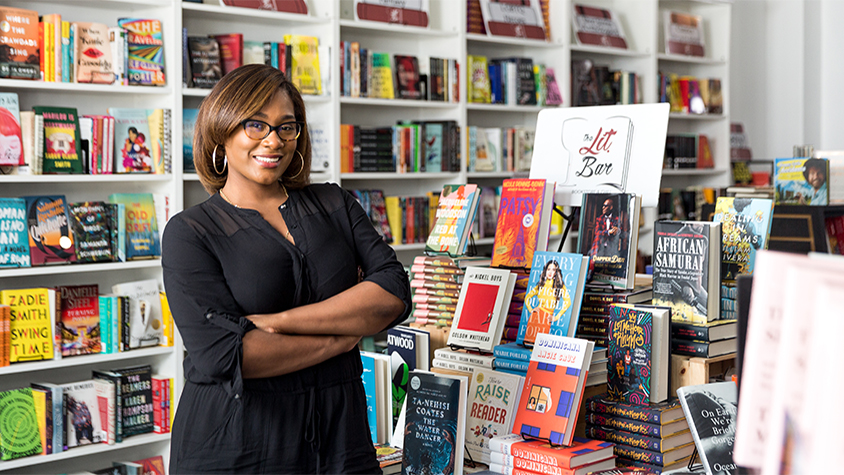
point(607, 149)
point(403, 12)
point(515, 19)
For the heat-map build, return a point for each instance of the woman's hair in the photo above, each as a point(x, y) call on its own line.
point(558, 278)
point(241, 94)
point(815, 163)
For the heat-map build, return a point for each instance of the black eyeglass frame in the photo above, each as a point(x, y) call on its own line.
point(271, 128)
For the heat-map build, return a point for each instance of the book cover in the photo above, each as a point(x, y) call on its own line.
point(62, 153)
point(132, 140)
point(11, 137)
point(231, 51)
point(413, 13)
point(206, 67)
point(304, 61)
point(369, 388)
point(683, 33)
point(521, 210)
point(559, 459)
point(454, 216)
point(609, 233)
point(50, 239)
point(518, 20)
point(55, 403)
point(146, 326)
point(513, 351)
point(479, 86)
point(654, 413)
point(597, 26)
point(630, 338)
point(21, 40)
point(801, 181)
point(135, 410)
point(481, 308)
point(42, 412)
point(93, 225)
point(493, 400)
point(710, 410)
point(381, 77)
point(19, 434)
point(553, 388)
point(745, 228)
point(145, 46)
point(92, 51)
point(14, 241)
point(435, 424)
point(142, 234)
point(152, 465)
point(686, 269)
point(188, 124)
point(554, 294)
point(84, 426)
point(79, 319)
point(407, 77)
point(553, 97)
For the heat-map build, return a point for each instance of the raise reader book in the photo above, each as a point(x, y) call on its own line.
point(493, 400)
point(481, 308)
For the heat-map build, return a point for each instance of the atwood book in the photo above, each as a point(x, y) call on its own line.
point(482, 308)
point(686, 275)
point(524, 221)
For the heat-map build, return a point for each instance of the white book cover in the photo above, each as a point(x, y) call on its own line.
point(83, 424)
point(604, 149)
point(107, 405)
point(513, 19)
point(146, 325)
point(482, 308)
point(597, 27)
point(493, 400)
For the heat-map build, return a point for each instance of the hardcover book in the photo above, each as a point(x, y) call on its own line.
point(11, 139)
point(579, 453)
point(638, 352)
point(407, 77)
point(413, 12)
point(637, 427)
point(801, 181)
point(205, 64)
point(287, 6)
point(84, 425)
point(21, 42)
point(145, 326)
point(554, 295)
point(142, 234)
point(609, 234)
point(686, 275)
point(493, 400)
point(94, 226)
point(14, 242)
point(231, 51)
point(50, 239)
point(524, 221)
point(370, 389)
point(55, 402)
point(479, 86)
point(654, 413)
point(132, 140)
point(19, 434)
point(134, 399)
point(145, 46)
point(598, 27)
point(482, 308)
point(640, 441)
point(745, 228)
point(553, 388)
point(381, 77)
point(304, 61)
point(62, 153)
point(79, 319)
point(683, 33)
point(454, 217)
point(435, 424)
point(518, 20)
point(710, 410)
point(92, 49)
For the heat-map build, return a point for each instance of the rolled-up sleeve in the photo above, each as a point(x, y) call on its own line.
point(203, 308)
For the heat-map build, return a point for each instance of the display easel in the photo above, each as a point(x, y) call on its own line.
point(568, 218)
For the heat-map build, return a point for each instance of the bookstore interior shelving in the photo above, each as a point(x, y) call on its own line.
point(332, 22)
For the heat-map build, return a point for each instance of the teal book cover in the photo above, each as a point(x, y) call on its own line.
point(368, 377)
point(188, 124)
point(14, 242)
point(142, 236)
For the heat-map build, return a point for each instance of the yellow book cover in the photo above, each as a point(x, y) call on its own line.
point(32, 323)
point(393, 205)
point(166, 320)
point(304, 63)
point(40, 399)
point(478, 83)
point(381, 77)
point(155, 118)
point(171, 391)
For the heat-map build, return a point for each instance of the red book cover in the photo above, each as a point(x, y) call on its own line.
point(517, 231)
point(231, 51)
point(391, 14)
point(288, 6)
point(581, 451)
point(478, 306)
point(152, 465)
point(50, 239)
point(80, 319)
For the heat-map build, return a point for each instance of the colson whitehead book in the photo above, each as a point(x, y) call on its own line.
point(493, 400)
point(554, 294)
point(455, 214)
point(745, 228)
point(553, 388)
point(50, 239)
point(524, 220)
point(481, 308)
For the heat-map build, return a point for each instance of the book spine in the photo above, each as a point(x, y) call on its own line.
point(626, 411)
point(684, 331)
point(453, 365)
point(639, 455)
point(690, 348)
point(507, 470)
point(512, 352)
point(549, 467)
point(636, 427)
point(515, 365)
point(623, 437)
point(466, 358)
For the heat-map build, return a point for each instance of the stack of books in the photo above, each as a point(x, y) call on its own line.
point(595, 311)
point(708, 340)
point(511, 358)
point(436, 287)
point(511, 452)
point(654, 436)
point(461, 361)
point(517, 303)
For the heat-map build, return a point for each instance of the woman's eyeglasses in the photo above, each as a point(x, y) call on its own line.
point(259, 130)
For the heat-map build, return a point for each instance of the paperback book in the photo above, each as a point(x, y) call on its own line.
point(482, 308)
point(92, 51)
point(454, 217)
point(711, 410)
point(132, 140)
point(14, 241)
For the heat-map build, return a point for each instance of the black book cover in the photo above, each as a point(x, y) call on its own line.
point(93, 224)
point(433, 435)
point(206, 69)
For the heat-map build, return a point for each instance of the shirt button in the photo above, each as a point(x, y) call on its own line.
point(237, 396)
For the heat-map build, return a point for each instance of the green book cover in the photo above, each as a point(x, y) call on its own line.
point(62, 153)
point(142, 237)
point(19, 434)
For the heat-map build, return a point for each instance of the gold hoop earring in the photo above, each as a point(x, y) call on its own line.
point(214, 161)
point(302, 168)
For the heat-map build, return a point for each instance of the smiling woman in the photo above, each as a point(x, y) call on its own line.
point(262, 280)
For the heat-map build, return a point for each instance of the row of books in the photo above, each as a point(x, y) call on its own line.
point(511, 81)
point(685, 204)
point(424, 146)
point(51, 49)
point(113, 405)
point(691, 95)
point(687, 150)
point(51, 139)
point(500, 149)
point(596, 85)
point(366, 73)
point(47, 230)
point(43, 323)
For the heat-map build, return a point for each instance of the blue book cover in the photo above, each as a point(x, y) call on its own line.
point(745, 229)
point(434, 137)
point(142, 236)
point(14, 242)
point(513, 365)
point(554, 294)
point(188, 124)
point(368, 377)
point(512, 351)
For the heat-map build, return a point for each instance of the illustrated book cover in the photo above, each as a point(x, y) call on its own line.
point(132, 140)
point(711, 410)
point(524, 221)
point(455, 214)
point(801, 181)
point(609, 235)
point(638, 352)
point(93, 61)
point(14, 239)
point(407, 77)
point(83, 423)
point(554, 295)
point(145, 325)
point(597, 26)
point(11, 145)
point(493, 400)
point(481, 308)
point(61, 144)
point(94, 225)
point(745, 229)
point(145, 47)
point(19, 433)
point(79, 320)
point(50, 238)
point(142, 235)
point(20, 40)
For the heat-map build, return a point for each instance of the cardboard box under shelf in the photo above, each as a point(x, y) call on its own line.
point(439, 336)
point(691, 371)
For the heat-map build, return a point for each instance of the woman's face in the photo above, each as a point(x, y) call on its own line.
point(262, 161)
point(550, 271)
point(11, 146)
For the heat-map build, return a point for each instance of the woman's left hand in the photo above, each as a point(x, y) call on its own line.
point(263, 322)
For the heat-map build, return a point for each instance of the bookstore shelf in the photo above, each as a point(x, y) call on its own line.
point(363, 101)
point(609, 51)
point(399, 176)
point(692, 171)
point(505, 108)
point(79, 268)
point(22, 84)
point(477, 38)
point(84, 360)
point(121, 5)
point(190, 177)
point(480, 175)
point(309, 99)
point(677, 58)
point(82, 178)
point(215, 12)
point(83, 451)
point(386, 29)
point(682, 116)
point(416, 246)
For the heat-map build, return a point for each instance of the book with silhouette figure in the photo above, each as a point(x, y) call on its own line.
point(482, 308)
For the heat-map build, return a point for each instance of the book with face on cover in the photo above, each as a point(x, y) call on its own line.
point(83, 422)
point(11, 138)
point(609, 234)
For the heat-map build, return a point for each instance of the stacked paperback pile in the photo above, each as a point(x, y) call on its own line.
point(436, 289)
point(511, 452)
point(512, 358)
point(461, 361)
point(595, 311)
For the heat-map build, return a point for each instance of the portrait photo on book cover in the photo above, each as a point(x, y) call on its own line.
point(607, 232)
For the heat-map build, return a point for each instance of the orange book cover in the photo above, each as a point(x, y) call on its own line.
point(517, 231)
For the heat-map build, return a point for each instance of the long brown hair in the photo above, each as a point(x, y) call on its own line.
point(238, 96)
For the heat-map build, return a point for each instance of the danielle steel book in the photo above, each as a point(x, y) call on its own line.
point(79, 321)
point(553, 388)
point(686, 269)
point(454, 217)
point(493, 399)
point(609, 234)
point(482, 308)
point(711, 412)
point(554, 294)
point(524, 221)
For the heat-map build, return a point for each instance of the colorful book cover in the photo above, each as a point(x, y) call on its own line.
point(152, 465)
point(455, 214)
point(711, 412)
point(745, 228)
point(84, 426)
point(478, 84)
point(654, 413)
point(132, 140)
point(801, 181)
point(653, 457)
point(517, 231)
point(79, 319)
point(639, 441)
point(381, 77)
point(32, 323)
point(62, 153)
point(21, 42)
point(188, 124)
point(554, 294)
point(553, 388)
point(55, 404)
point(481, 308)
point(560, 459)
point(146, 327)
point(435, 424)
point(14, 241)
point(145, 45)
point(630, 340)
point(553, 97)
point(142, 235)
point(513, 351)
point(11, 138)
point(609, 230)
point(206, 68)
point(94, 228)
point(493, 400)
point(304, 61)
point(50, 238)
point(19, 434)
point(407, 77)
point(686, 275)
point(636, 427)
